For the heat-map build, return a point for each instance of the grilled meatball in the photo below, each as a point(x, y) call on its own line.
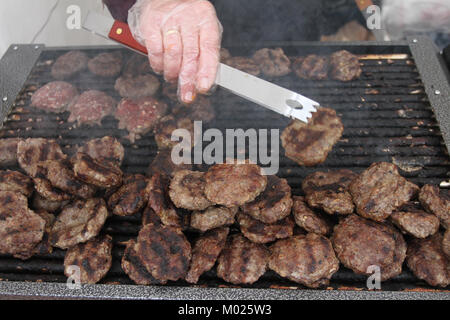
point(137, 65)
point(410, 218)
point(93, 258)
point(242, 261)
point(187, 190)
point(234, 184)
point(259, 232)
point(309, 220)
point(139, 116)
point(131, 197)
point(8, 152)
point(273, 62)
point(54, 97)
point(134, 268)
point(91, 107)
point(16, 182)
point(312, 67)
point(379, 190)
point(344, 66)
point(199, 110)
point(137, 87)
point(44, 247)
point(107, 64)
point(245, 64)
point(273, 204)
point(329, 191)
point(437, 202)
point(164, 251)
point(79, 222)
point(308, 144)
point(20, 228)
point(306, 259)
point(100, 174)
point(428, 262)
point(45, 189)
point(104, 149)
point(446, 243)
point(360, 243)
point(69, 64)
point(39, 203)
point(206, 250)
point(163, 164)
point(166, 127)
point(213, 217)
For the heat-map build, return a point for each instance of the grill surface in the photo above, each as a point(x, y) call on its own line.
point(386, 114)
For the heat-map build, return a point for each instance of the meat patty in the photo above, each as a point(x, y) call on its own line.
point(329, 191)
point(379, 190)
point(139, 116)
point(273, 62)
point(187, 190)
point(245, 64)
point(45, 189)
point(259, 232)
point(93, 258)
point(149, 216)
point(410, 218)
point(273, 204)
point(137, 87)
point(199, 110)
point(134, 268)
point(39, 203)
point(8, 152)
point(308, 144)
point(79, 222)
point(234, 184)
point(137, 65)
point(446, 243)
point(309, 220)
point(98, 173)
point(242, 261)
point(312, 67)
point(20, 228)
point(16, 182)
point(360, 243)
point(164, 131)
point(131, 197)
point(344, 66)
point(213, 217)
point(306, 259)
point(164, 251)
point(54, 97)
point(44, 247)
point(437, 202)
point(107, 64)
point(163, 164)
point(91, 107)
point(206, 250)
point(69, 64)
point(428, 262)
point(104, 149)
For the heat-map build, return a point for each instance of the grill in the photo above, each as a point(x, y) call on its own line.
point(386, 113)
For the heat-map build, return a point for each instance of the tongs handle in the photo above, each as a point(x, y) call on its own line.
point(121, 33)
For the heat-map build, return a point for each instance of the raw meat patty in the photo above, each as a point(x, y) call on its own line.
point(69, 64)
point(54, 97)
point(91, 107)
point(137, 87)
point(107, 64)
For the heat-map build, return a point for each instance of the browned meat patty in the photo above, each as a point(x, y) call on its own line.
point(149, 216)
point(344, 66)
point(309, 220)
point(45, 189)
point(329, 191)
point(199, 110)
point(206, 250)
point(379, 190)
point(16, 182)
point(20, 228)
point(79, 222)
point(166, 127)
point(187, 190)
point(446, 243)
point(428, 262)
point(139, 116)
point(312, 67)
point(273, 204)
point(308, 144)
point(234, 184)
point(242, 261)
point(133, 267)
point(91, 107)
point(137, 65)
point(131, 197)
point(170, 90)
point(98, 173)
point(69, 64)
point(54, 97)
point(437, 202)
point(360, 243)
point(163, 164)
point(164, 251)
point(259, 232)
point(93, 258)
point(273, 62)
point(104, 149)
point(33, 150)
point(107, 64)
point(410, 218)
point(8, 152)
point(39, 203)
point(44, 247)
point(213, 217)
point(137, 87)
point(309, 260)
point(245, 64)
